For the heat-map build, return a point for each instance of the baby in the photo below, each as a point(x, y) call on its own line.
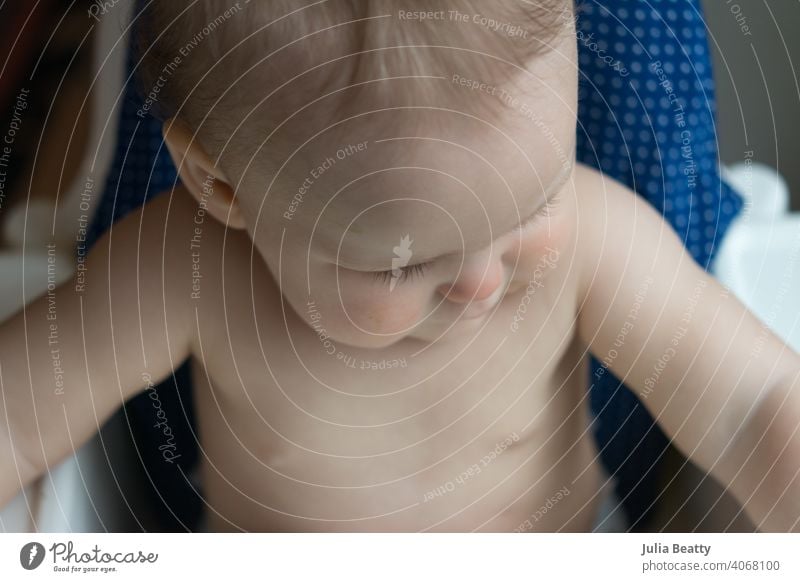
point(389, 273)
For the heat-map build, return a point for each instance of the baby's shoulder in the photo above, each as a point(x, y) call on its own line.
point(164, 252)
point(589, 185)
point(172, 234)
point(598, 195)
point(604, 204)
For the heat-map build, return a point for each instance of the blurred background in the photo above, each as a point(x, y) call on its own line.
point(755, 50)
point(45, 51)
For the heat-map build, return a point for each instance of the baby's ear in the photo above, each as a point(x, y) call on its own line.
point(200, 175)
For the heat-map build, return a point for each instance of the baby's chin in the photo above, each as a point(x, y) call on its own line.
point(446, 333)
point(360, 339)
point(427, 331)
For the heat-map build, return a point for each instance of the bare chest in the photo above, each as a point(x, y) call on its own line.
point(304, 433)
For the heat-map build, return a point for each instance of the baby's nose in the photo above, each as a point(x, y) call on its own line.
point(476, 281)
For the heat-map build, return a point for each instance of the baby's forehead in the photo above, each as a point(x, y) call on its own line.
point(433, 173)
point(450, 167)
point(401, 175)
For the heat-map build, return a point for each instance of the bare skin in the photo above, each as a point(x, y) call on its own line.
point(302, 435)
point(486, 422)
point(369, 451)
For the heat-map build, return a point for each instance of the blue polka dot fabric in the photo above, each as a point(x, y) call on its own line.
point(646, 118)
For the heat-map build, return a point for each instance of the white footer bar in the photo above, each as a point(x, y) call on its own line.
point(389, 557)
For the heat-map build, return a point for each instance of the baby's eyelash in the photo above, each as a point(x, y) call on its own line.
point(403, 274)
point(543, 212)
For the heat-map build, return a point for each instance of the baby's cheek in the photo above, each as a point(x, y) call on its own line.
point(550, 237)
point(552, 233)
point(540, 251)
point(384, 314)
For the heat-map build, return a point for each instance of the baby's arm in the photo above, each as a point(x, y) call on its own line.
point(724, 388)
point(128, 322)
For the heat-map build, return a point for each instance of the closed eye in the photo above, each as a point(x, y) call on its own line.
point(402, 274)
point(544, 211)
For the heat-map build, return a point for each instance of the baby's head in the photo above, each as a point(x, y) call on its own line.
point(381, 155)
